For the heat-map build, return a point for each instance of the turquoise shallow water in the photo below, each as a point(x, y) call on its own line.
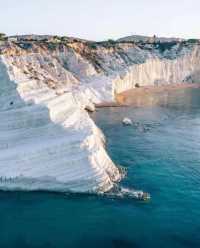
point(161, 152)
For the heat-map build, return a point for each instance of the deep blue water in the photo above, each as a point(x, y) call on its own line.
point(162, 154)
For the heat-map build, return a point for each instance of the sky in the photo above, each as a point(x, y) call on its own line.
point(101, 19)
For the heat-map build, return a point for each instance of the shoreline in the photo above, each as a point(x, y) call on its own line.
point(145, 95)
point(110, 104)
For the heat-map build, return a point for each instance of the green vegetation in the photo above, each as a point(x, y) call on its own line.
point(193, 41)
point(52, 45)
point(92, 45)
point(3, 37)
point(56, 39)
point(63, 39)
point(162, 46)
point(107, 44)
point(25, 45)
point(111, 41)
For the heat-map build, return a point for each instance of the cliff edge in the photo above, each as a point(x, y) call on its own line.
point(47, 139)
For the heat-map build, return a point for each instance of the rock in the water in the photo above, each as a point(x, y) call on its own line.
point(127, 122)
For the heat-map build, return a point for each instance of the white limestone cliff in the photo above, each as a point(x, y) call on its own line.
point(156, 71)
point(47, 139)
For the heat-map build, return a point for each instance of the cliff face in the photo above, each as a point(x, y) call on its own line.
point(48, 140)
point(158, 71)
point(105, 67)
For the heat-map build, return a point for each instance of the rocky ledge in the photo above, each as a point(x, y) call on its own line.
point(48, 83)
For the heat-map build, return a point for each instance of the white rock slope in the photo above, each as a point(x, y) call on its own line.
point(47, 139)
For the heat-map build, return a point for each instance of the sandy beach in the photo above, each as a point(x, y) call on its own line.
point(150, 95)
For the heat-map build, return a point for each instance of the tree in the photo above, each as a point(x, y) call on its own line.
point(110, 41)
point(193, 40)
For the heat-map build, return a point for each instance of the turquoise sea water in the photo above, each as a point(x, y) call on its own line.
point(161, 152)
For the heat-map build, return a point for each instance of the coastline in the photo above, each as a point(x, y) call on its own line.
point(149, 95)
point(59, 87)
point(65, 153)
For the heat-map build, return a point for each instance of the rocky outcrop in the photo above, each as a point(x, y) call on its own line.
point(156, 71)
point(47, 139)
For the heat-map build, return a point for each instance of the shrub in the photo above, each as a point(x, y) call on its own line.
point(107, 44)
point(193, 40)
point(2, 36)
point(25, 45)
point(92, 45)
point(52, 46)
point(162, 46)
point(63, 38)
point(111, 42)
